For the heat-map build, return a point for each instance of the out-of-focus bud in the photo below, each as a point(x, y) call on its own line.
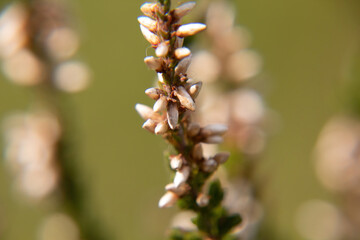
point(149, 36)
point(72, 76)
point(243, 65)
point(190, 29)
point(62, 43)
point(213, 140)
point(181, 176)
point(214, 129)
point(193, 129)
point(176, 162)
point(197, 153)
point(202, 200)
point(168, 200)
point(222, 157)
point(183, 9)
point(209, 165)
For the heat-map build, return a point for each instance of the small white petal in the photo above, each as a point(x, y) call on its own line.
point(161, 128)
point(172, 115)
point(214, 129)
point(195, 89)
point(190, 29)
point(149, 36)
point(161, 77)
point(144, 111)
point(153, 93)
point(149, 125)
point(181, 53)
point(162, 49)
point(168, 200)
point(176, 162)
point(181, 176)
point(160, 104)
point(185, 98)
point(153, 63)
point(213, 140)
point(148, 23)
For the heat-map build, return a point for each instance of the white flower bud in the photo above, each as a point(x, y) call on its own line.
point(162, 49)
point(149, 9)
point(176, 162)
point(214, 129)
point(183, 66)
point(153, 63)
point(144, 111)
point(153, 93)
point(184, 9)
point(193, 129)
point(197, 152)
point(149, 36)
point(181, 53)
point(184, 98)
point(148, 23)
point(180, 190)
point(213, 140)
point(168, 200)
point(160, 104)
point(209, 165)
point(190, 29)
point(149, 125)
point(181, 176)
point(195, 89)
point(161, 128)
point(172, 115)
point(222, 157)
point(202, 200)
point(161, 77)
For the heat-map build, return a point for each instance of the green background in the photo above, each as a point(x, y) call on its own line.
point(309, 48)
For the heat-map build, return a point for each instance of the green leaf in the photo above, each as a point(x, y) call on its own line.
point(216, 194)
point(225, 224)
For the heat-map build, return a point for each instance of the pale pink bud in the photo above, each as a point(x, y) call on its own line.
point(209, 165)
point(193, 129)
point(197, 152)
point(149, 125)
point(195, 89)
point(213, 140)
point(184, 98)
point(161, 128)
point(190, 29)
point(172, 115)
point(222, 157)
point(148, 23)
point(214, 129)
point(153, 63)
point(183, 66)
point(149, 36)
point(181, 53)
point(202, 200)
point(181, 176)
point(180, 190)
point(168, 200)
point(160, 104)
point(184, 9)
point(149, 9)
point(153, 93)
point(162, 49)
point(176, 162)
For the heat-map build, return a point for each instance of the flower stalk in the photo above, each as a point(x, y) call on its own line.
point(171, 117)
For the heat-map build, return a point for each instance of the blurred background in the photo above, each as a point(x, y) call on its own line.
point(311, 59)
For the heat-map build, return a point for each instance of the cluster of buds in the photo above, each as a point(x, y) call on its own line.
point(31, 148)
point(175, 99)
point(38, 45)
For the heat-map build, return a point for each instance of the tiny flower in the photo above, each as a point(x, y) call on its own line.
point(184, 98)
point(162, 49)
point(194, 90)
point(160, 104)
point(176, 162)
point(153, 63)
point(222, 157)
point(172, 115)
point(190, 29)
point(181, 176)
point(183, 9)
point(161, 128)
point(149, 36)
point(149, 125)
point(183, 65)
point(144, 111)
point(147, 22)
point(168, 200)
point(153, 93)
point(181, 53)
point(149, 9)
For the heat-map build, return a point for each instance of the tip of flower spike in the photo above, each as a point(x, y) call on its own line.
point(190, 29)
